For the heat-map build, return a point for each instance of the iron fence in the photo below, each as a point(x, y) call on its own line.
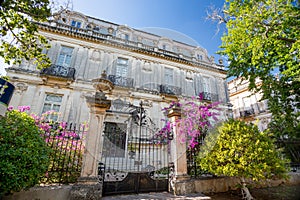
point(67, 147)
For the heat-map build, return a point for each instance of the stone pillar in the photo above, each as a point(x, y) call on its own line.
point(178, 149)
point(88, 186)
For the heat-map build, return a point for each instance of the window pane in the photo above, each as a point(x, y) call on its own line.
point(46, 107)
point(73, 23)
point(56, 108)
point(122, 67)
point(65, 55)
point(206, 86)
point(52, 102)
point(53, 98)
point(122, 61)
point(169, 76)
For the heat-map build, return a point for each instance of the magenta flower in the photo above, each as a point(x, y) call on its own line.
point(195, 119)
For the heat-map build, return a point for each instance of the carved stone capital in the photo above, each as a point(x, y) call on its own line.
point(99, 102)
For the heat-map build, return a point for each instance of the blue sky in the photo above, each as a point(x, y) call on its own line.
point(187, 17)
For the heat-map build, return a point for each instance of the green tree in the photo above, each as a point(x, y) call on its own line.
point(262, 41)
point(240, 150)
point(23, 152)
point(19, 34)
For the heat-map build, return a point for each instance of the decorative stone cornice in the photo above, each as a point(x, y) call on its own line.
point(104, 39)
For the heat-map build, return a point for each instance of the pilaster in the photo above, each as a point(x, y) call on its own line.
point(178, 150)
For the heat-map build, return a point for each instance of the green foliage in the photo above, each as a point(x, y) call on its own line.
point(23, 153)
point(19, 35)
point(263, 42)
point(240, 150)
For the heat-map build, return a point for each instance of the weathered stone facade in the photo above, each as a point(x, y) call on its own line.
point(154, 69)
point(140, 66)
point(248, 105)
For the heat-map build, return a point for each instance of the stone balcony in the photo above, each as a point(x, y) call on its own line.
point(58, 71)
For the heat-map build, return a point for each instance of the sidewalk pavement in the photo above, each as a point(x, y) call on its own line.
point(157, 196)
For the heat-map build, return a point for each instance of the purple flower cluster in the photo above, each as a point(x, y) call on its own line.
point(195, 119)
point(56, 133)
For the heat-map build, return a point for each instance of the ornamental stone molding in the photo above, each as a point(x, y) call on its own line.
point(20, 87)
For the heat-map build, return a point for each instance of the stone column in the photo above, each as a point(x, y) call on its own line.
point(178, 158)
point(178, 147)
point(88, 186)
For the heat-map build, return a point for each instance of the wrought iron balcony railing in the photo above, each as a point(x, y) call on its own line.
point(59, 71)
point(169, 89)
point(247, 112)
point(121, 81)
point(210, 96)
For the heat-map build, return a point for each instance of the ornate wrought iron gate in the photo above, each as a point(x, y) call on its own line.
point(134, 158)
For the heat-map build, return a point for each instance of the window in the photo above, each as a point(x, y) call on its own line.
point(199, 57)
point(52, 102)
point(65, 55)
point(96, 28)
point(247, 102)
point(206, 85)
point(76, 24)
point(114, 139)
point(122, 67)
point(125, 36)
point(168, 76)
point(89, 27)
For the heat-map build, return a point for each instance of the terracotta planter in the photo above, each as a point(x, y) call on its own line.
point(6, 92)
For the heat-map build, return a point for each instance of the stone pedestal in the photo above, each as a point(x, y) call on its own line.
point(88, 186)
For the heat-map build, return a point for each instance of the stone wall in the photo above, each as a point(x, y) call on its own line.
point(42, 193)
point(223, 184)
point(207, 185)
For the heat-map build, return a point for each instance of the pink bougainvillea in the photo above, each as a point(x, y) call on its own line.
point(196, 118)
point(66, 143)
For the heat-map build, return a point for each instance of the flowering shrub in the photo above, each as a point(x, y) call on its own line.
point(66, 145)
point(196, 118)
point(23, 153)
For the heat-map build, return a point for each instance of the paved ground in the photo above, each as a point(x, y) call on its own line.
point(283, 192)
point(156, 196)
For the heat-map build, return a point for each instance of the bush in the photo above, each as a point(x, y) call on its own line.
point(239, 149)
point(23, 152)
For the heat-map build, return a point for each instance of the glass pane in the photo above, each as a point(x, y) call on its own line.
point(53, 98)
point(169, 76)
point(60, 60)
point(73, 23)
point(66, 50)
point(122, 61)
point(47, 107)
point(56, 108)
point(121, 71)
point(53, 117)
point(78, 24)
point(206, 86)
point(65, 55)
point(67, 61)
